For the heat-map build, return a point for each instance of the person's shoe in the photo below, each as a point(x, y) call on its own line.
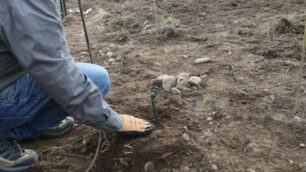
point(132, 134)
point(60, 129)
point(135, 127)
point(13, 158)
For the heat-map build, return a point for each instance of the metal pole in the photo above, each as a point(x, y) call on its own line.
point(62, 8)
point(65, 8)
point(85, 30)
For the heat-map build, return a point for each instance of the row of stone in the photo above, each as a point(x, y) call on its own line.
point(176, 84)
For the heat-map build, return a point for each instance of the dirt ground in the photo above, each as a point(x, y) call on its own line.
point(238, 120)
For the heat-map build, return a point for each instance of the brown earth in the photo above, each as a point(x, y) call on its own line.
point(238, 120)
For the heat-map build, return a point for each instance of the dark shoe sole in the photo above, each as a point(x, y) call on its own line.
point(133, 134)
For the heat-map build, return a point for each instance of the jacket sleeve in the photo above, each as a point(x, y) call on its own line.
point(34, 34)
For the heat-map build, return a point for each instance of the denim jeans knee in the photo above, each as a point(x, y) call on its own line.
point(98, 75)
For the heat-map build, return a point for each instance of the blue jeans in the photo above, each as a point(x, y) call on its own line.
point(26, 110)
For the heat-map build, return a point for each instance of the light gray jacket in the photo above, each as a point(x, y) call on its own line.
point(32, 41)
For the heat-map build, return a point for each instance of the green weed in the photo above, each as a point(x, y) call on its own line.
point(171, 21)
point(293, 17)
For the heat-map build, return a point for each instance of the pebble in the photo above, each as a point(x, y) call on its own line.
point(161, 77)
point(158, 81)
point(185, 89)
point(111, 61)
point(168, 82)
point(175, 91)
point(214, 167)
point(186, 137)
point(185, 168)
point(250, 170)
point(209, 119)
point(181, 82)
point(202, 60)
point(302, 145)
point(272, 98)
point(297, 122)
point(109, 54)
point(184, 75)
point(149, 167)
point(194, 80)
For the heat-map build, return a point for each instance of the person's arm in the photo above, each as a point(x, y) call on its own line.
point(33, 32)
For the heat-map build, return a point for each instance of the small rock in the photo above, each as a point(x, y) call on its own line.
point(168, 82)
point(185, 89)
point(161, 77)
point(272, 98)
point(209, 119)
point(111, 61)
point(250, 170)
point(297, 123)
point(158, 81)
point(186, 137)
point(202, 60)
point(194, 80)
point(181, 82)
point(109, 54)
point(105, 64)
point(214, 167)
point(175, 91)
point(302, 145)
point(185, 168)
point(149, 167)
point(184, 75)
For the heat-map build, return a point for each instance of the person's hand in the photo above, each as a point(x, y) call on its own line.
point(131, 123)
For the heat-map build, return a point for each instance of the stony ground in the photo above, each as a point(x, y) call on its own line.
point(236, 114)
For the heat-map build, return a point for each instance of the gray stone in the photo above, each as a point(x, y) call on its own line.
point(194, 80)
point(175, 91)
point(111, 61)
point(185, 137)
point(109, 54)
point(181, 82)
point(168, 82)
point(214, 167)
point(202, 60)
point(297, 123)
point(302, 145)
point(184, 75)
point(158, 81)
point(149, 167)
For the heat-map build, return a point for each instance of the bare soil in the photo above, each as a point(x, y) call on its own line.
point(239, 120)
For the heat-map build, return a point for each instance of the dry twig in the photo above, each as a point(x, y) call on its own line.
point(96, 154)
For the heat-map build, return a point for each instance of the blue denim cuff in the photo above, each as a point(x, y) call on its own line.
point(114, 121)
